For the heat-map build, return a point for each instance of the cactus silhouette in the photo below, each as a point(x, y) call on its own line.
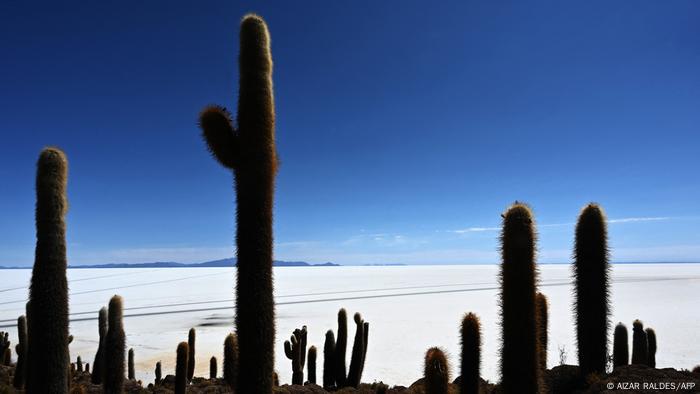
point(639, 344)
point(181, 368)
point(190, 358)
point(158, 373)
point(311, 366)
point(212, 368)
point(651, 349)
point(542, 327)
point(295, 350)
point(48, 359)
point(87, 367)
point(329, 360)
point(131, 371)
point(591, 271)
point(97, 364)
point(7, 357)
point(79, 364)
point(436, 372)
point(341, 344)
point(621, 354)
point(357, 359)
point(471, 354)
point(21, 348)
point(519, 350)
point(250, 152)
point(231, 359)
point(115, 347)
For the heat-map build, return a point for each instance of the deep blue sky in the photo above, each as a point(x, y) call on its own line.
point(404, 128)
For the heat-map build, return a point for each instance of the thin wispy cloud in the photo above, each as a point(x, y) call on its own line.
point(642, 219)
point(610, 221)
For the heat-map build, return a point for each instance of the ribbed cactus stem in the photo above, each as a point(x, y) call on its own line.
point(191, 337)
point(181, 368)
point(115, 348)
point(341, 345)
point(21, 348)
point(520, 368)
point(651, 349)
point(542, 310)
point(48, 358)
point(621, 353)
point(329, 360)
point(131, 370)
point(436, 372)
point(358, 353)
point(231, 359)
point(311, 365)
point(250, 152)
point(97, 365)
point(471, 354)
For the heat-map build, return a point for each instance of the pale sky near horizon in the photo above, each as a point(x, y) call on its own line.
point(404, 128)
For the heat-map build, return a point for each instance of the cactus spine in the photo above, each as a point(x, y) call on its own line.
point(471, 354)
point(542, 327)
point(190, 358)
point(329, 360)
point(519, 350)
point(250, 152)
point(131, 371)
point(651, 353)
point(21, 348)
point(212, 368)
point(357, 359)
point(158, 373)
point(311, 366)
point(591, 271)
point(341, 344)
point(181, 368)
point(97, 365)
point(48, 360)
point(115, 345)
point(621, 354)
point(639, 343)
point(231, 359)
point(436, 372)
point(295, 350)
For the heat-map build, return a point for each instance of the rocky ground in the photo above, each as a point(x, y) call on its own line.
point(561, 379)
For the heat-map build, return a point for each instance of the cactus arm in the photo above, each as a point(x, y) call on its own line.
point(220, 135)
point(288, 350)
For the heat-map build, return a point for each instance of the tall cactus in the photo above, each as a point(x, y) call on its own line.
point(651, 350)
point(520, 369)
point(341, 345)
point(97, 365)
point(48, 360)
point(130, 362)
point(436, 372)
point(115, 347)
point(621, 353)
point(640, 345)
point(181, 368)
point(591, 272)
point(329, 360)
point(158, 373)
point(542, 328)
point(250, 152)
point(231, 360)
point(471, 354)
point(21, 348)
point(357, 360)
point(295, 350)
point(311, 365)
point(191, 337)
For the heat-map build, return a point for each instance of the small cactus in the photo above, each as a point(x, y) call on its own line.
point(181, 368)
point(190, 358)
point(212, 368)
point(341, 344)
point(158, 373)
point(47, 357)
point(131, 371)
point(640, 345)
point(329, 360)
point(471, 354)
point(115, 346)
point(651, 353)
point(249, 151)
point(21, 348)
point(357, 359)
point(591, 281)
point(97, 370)
point(542, 328)
point(87, 367)
point(437, 373)
point(621, 354)
point(231, 359)
point(520, 368)
point(79, 364)
point(311, 365)
point(295, 350)
point(7, 357)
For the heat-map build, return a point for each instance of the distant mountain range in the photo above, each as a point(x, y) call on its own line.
point(169, 264)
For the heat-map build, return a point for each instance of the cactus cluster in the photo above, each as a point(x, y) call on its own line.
point(295, 350)
point(334, 353)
